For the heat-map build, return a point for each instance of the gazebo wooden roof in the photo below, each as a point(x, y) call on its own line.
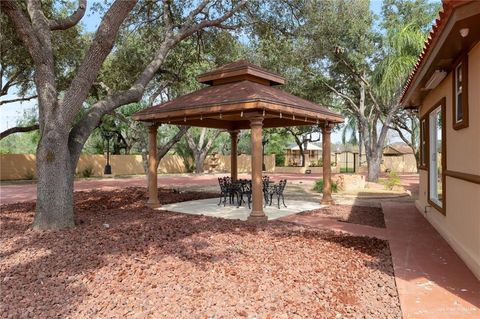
point(240, 95)
point(236, 92)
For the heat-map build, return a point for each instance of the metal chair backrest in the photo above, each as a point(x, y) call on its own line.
point(281, 185)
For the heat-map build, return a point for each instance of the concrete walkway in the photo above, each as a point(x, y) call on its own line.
point(334, 224)
point(210, 207)
point(432, 281)
point(13, 192)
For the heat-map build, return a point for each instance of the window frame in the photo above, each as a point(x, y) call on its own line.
point(442, 103)
point(463, 63)
point(424, 134)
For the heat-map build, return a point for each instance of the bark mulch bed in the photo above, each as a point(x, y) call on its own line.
point(363, 215)
point(157, 264)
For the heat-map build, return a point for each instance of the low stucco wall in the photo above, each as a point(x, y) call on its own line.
point(301, 170)
point(22, 166)
point(405, 163)
point(244, 163)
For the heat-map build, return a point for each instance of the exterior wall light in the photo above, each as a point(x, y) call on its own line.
point(464, 32)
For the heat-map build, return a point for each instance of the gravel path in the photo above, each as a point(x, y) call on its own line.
point(153, 264)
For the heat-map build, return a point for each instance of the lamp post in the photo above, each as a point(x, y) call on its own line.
point(107, 135)
point(264, 141)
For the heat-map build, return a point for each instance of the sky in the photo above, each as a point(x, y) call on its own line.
point(12, 112)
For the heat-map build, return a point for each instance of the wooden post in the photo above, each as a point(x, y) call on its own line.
point(327, 168)
point(257, 215)
point(233, 155)
point(152, 167)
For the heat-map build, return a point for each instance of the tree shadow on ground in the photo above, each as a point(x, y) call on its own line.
point(47, 274)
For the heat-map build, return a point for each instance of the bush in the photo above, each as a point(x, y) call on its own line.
point(392, 180)
point(279, 160)
point(30, 175)
point(347, 170)
point(318, 187)
point(87, 171)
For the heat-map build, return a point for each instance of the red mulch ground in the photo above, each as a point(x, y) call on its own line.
point(363, 215)
point(157, 264)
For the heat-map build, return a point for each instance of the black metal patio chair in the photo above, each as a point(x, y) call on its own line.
point(277, 190)
point(245, 190)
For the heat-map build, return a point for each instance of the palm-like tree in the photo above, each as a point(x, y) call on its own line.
point(401, 49)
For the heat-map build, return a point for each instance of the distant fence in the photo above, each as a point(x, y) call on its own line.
point(22, 166)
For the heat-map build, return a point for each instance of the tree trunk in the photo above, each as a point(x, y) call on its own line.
point(199, 160)
point(374, 166)
point(55, 169)
point(302, 155)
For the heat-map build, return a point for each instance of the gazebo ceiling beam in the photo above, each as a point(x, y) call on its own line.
point(239, 124)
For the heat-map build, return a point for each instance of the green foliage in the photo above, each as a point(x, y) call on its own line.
point(20, 143)
point(279, 159)
point(87, 172)
point(318, 163)
point(347, 170)
point(318, 187)
point(392, 180)
point(30, 175)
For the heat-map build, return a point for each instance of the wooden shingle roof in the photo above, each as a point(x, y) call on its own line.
point(237, 92)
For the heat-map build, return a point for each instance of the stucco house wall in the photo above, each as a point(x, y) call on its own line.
point(460, 225)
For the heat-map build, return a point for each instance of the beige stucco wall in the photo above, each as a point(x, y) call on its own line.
point(244, 163)
point(461, 224)
point(405, 163)
point(22, 166)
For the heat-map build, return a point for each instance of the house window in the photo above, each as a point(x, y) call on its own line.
point(423, 143)
point(436, 148)
point(460, 94)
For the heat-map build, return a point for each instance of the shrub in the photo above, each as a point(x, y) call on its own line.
point(279, 160)
point(87, 171)
point(318, 187)
point(392, 180)
point(30, 175)
point(347, 170)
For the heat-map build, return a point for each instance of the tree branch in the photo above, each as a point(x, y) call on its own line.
point(344, 96)
point(101, 46)
point(23, 27)
point(18, 129)
point(20, 99)
point(72, 20)
point(162, 151)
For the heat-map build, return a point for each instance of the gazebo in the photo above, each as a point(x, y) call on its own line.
point(240, 95)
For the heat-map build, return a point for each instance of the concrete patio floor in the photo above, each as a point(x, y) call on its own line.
point(210, 207)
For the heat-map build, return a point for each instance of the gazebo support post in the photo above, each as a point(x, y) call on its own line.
point(152, 167)
point(233, 155)
point(257, 215)
point(327, 168)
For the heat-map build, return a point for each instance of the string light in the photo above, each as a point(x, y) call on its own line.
point(280, 115)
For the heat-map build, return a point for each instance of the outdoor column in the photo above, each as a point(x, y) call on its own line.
point(152, 167)
point(257, 215)
point(233, 155)
point(327, 167)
